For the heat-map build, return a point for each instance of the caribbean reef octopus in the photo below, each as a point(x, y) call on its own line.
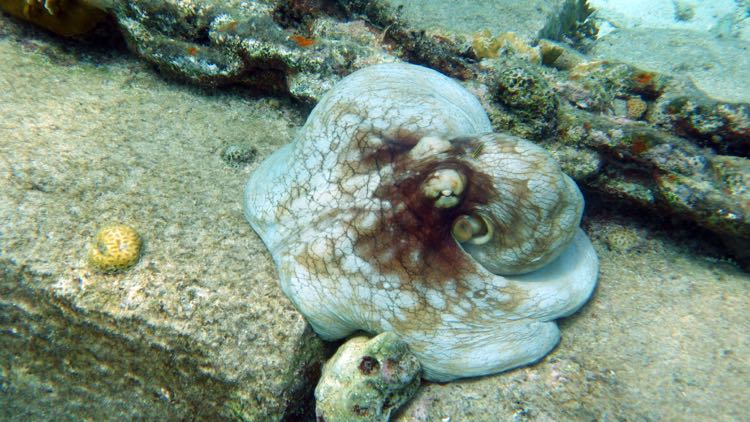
point(396, 208)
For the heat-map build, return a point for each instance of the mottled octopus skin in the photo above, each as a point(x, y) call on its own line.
point(359, 246)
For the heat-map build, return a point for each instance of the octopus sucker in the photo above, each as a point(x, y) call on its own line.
point(463, 242)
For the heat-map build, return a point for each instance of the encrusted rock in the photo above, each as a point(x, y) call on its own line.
point(559, 55)
point(669, 162)
point(527, 104)
point(722, 126)
point(636, 108)
point(212, 42)
point(366, 380)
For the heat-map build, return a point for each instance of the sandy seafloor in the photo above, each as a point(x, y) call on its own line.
point(666, 335)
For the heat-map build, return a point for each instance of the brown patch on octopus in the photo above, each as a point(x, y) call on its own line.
point(412, 239)
point(516, 296)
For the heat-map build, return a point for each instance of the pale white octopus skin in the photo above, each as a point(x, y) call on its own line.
point(358, 247)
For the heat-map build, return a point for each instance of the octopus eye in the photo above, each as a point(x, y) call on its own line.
point(445, 186)
point(475, 229)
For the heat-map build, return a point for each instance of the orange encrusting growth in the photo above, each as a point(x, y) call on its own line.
point(302, 41)
point(643, 78)
point(639, 145)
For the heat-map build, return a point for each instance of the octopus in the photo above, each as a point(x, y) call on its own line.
point(396, 208)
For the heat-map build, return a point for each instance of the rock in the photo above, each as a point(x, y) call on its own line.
point(366, 380)
point(662, 164)
point(302, 48)
point(458, 21)
point(713, 64)
point(691, 15)
point(526, 102)
point(214, 43)
point(559, 55)
point(198, 329)
point(441, 34)
point(725, 127)
point(657, 170)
